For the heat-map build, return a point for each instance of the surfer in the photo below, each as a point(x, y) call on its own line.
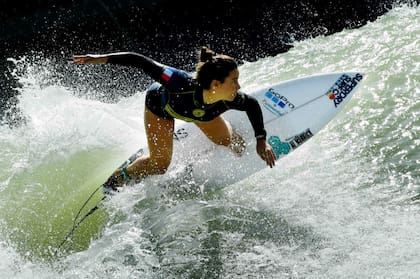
point(176, 94)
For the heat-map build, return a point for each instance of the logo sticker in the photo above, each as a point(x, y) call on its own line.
point(278, 146)
point(284, 147)
point(180, 134)
point(198, 112)
point(299, 139)
point(342, 87)
point(166, 75)
point(277, 103)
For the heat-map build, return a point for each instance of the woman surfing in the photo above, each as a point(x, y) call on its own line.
point(201, 98)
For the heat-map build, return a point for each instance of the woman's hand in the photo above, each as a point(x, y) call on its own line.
point(90, 59)
point(266, 152)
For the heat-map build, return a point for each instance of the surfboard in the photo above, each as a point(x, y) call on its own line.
point(294, 111)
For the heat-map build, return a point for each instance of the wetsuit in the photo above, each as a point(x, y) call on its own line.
point(176, 95)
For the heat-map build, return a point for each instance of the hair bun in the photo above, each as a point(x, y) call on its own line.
point(206, 54)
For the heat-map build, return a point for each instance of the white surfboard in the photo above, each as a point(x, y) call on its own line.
point(294, 111)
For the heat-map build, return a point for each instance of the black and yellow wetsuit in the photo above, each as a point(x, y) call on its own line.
point(175, 94)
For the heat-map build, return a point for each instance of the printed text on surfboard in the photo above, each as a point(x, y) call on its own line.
point(342, 87)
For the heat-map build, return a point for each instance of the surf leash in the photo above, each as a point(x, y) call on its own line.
point(109, 188)
point(76, 222)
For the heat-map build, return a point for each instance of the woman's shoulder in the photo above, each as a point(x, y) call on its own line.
point(177, 79)
point(171, 72)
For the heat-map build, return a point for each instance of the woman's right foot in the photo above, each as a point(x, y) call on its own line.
point(112, 184)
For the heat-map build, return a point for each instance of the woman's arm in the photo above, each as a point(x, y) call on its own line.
point(148, 65)
point(254, 113)
point(89, 59)
point(253, 110)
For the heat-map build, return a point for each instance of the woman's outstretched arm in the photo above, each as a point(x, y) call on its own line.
point(149, 66)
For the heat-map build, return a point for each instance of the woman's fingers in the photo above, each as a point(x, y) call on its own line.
point(269, 157)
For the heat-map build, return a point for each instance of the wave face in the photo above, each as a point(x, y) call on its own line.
point(344, 205)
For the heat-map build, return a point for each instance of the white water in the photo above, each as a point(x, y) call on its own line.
point(344, 205)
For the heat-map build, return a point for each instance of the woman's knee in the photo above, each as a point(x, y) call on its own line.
point(218, 131)
point(224, 140)
point(160, 166)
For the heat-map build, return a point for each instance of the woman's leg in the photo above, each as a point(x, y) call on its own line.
point(220, 132)
point(217, 130)
point(159, 132)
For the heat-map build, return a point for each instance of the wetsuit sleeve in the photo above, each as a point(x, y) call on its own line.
point(173, 79)
point(148, 65)
point(249, 104)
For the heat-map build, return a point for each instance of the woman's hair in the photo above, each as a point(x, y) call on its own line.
point(213, 67)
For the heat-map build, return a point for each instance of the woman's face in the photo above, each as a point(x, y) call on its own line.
point(229, 88)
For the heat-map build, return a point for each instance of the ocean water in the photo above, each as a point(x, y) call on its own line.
point(344, 205)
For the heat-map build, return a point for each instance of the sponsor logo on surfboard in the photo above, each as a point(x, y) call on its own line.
point(342, 87)
point(279, 147)
point(284, 147)
point(299, 139)
point(277, 103)
point(180, 134)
